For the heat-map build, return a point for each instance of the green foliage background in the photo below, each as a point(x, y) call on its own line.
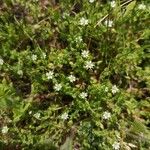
point(38, 36)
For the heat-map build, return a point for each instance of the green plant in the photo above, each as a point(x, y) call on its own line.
point(74, 75)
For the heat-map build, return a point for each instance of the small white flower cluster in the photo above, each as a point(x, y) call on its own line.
point(108, 23)
point(142, 6)
point(65, 15)
point(37, 115)
point(5, 130)
point(112, 4)
point(78, 39)
point(89, 65)
point(49, 75)
point(57, 87)
point(1, 61)
point(114, 89)
point(106, 115)
point(91, 1)
point(72, 78)
point(84, 21)
point(34, 57)
point(116, 146)
point(64, 116)
point(85, 54)
point(83, 95)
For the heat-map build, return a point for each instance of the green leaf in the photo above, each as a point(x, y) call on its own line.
point(20, 111)
point(139, 127)
point(129, 8)
point(6, 95)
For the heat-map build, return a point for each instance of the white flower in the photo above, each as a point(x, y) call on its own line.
point(65, 15)
point(1, 61)
point(72, 78)
point(114, 89)
point(91, 1)
point(106, 89)
point(83, 95)
point(113, 4)
point(57, 87)
point(116, 145)
point(142, 6)
point(5, 129)
point(89, 65)
point(108, 23)
point(49, 75)
point(30, 112)
point(85, 54)
point(64, 116)
point(84, 21)
point(34, 57)
point(106, 115)
point(20, 72)
point(44, 55)
point(37, 115)
point(78, 39)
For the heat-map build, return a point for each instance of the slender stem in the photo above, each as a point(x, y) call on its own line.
point(108, 14)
